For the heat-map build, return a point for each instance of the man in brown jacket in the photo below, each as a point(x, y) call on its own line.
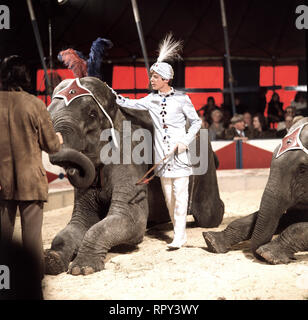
point(26, 130)
point(238, 131)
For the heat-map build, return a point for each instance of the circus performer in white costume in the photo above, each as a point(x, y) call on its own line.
point(169, 110)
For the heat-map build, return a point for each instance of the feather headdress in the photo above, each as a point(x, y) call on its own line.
point(98, 49)
point(169, 49)
point(81, 67)
point(73, 61)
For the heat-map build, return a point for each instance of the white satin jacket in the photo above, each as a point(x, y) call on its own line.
point(169, 113)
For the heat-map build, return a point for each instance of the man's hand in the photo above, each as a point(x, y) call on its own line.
point(181, 147)
point(240, 138)
point(60, 137)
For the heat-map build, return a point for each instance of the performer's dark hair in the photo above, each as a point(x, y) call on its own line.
point(14, 74)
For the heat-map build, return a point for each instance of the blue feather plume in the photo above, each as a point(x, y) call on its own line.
point(98, 48)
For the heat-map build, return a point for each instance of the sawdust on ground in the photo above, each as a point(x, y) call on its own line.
point(149, 271)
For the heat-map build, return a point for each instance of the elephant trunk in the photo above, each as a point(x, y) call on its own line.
point(79, 168)
point(275, 201)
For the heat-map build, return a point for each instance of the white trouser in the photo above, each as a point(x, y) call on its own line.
point(176, 196)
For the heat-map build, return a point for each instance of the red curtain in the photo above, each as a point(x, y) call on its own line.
point(124, 77)
point(204, 77)
point(284, 76)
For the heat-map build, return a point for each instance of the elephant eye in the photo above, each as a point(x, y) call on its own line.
point(93, 114)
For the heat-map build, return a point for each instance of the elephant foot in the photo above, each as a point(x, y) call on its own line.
point(53, 262)
point(215, 242)
point(274, 254)
point(85, 265)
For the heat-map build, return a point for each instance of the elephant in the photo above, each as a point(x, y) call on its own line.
point(283, 209)
point(109, 208)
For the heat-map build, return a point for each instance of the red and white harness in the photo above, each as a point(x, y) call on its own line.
point(292, 141)
point(75, 90)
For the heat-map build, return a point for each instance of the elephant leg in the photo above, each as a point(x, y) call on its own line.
point(290, 217)
point(282, 249)
point(63, 247)
point(277, 251)
point(238, 230)
point(99, 239)
point(67, 242)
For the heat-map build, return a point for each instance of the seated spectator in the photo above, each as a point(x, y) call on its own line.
point(248, 120)
point(300, 103)
point(288, 111)
point(208, 108)
point(261, 131)
point(226, 116)
point(237, 130)
point(275, 111)
point(288, 123)
point(216, 128)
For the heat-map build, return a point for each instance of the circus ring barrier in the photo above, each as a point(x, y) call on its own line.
point(242, 166)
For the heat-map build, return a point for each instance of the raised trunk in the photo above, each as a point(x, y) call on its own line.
point(79, 168)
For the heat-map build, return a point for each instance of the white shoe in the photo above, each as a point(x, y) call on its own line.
point(176, 244)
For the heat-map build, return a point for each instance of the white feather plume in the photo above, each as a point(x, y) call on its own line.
point(169, 49)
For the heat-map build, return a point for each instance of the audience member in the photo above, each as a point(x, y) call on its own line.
point(275, 111)
point(208, 108)
point(237, 130)
point(288, 124)
point(216, 128)
point(226, 116)
point(261, 130)
point(248, 120)
point(288, 111)
point(300, 103)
